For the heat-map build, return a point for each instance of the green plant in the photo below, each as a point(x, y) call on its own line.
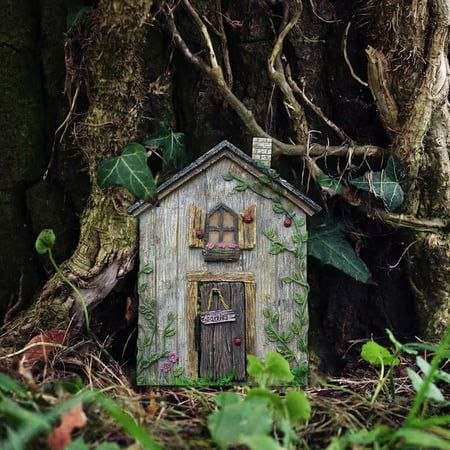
point(44, 245)
point(250, 420)
point(27, 415)
point(130, 169)
point(419, 429)
point(379, 356)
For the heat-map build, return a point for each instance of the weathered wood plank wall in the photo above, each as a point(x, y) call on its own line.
point(164, 245)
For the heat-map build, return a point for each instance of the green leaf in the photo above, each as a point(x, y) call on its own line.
point(147, 269)
point(273, 398)
point(107, 446)
point(298, 406)
point(382, 186)
point(278, 208)
point(327, 243)
point(277, 368)
point(228, 177)
point(399, 345)
point(433, 392)
point(173, 146)
point(376, 355)
point(79, 444)
point(9, 385)
point(241, 187)
point(128, 423)
point(238, 420)
point(421, 439)
point(330, 184)
point(395, 169)
point(45, 241)
point(129, 170)
point(260, 442)
point(254, 367)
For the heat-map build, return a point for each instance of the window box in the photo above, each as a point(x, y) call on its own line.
point(217, 254)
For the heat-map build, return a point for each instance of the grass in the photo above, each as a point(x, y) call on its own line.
point(176, 417)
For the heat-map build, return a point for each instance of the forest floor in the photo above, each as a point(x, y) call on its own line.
point(177, 418)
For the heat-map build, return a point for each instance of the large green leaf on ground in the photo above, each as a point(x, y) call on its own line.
point(239, 420)
point(327, 243)
point(130, 171)
point(173, 146)
point(384, 184)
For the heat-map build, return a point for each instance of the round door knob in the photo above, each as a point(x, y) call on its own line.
point(237, 341)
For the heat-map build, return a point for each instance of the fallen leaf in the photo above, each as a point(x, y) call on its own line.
point(61, 437)
point(152, 406)
point(41, 352)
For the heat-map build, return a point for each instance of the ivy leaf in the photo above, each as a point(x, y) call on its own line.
point(327, 243)
point(129, 170)
point(330, 184)
point(173, 146)
point(395, 169)
point(45, 241)
point(385, 184)
point(376, 354)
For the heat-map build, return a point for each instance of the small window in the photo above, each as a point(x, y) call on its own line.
point(222, 225)
point(221, 235)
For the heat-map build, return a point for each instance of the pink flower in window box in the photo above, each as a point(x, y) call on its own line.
point(232, 245)
point(210, 245)
point(222, 245)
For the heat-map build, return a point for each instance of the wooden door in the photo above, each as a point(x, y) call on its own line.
point(222, 346)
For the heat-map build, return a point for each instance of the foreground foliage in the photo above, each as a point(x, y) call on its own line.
point(387, 413)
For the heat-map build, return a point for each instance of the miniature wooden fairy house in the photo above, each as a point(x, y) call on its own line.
point(223, 269)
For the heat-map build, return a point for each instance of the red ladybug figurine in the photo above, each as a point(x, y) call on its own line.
point(247, 218)
point(287, 222)
point(199, 234)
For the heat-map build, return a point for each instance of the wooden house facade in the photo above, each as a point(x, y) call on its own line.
point(222, 270)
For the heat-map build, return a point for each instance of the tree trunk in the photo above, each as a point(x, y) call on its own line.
point(410, 73)
point(108, 237)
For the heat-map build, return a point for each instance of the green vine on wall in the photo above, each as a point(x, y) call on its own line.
point(267, 188)
point(148, 331)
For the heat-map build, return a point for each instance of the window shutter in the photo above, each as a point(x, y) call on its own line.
point(196, 223)
point(247, 229)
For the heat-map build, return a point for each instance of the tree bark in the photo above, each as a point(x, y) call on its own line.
point(108, 237)
point(410, 62)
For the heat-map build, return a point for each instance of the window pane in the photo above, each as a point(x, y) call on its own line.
point(213, 237)
point(228, 237)
point(227, 220)
point(214, 219)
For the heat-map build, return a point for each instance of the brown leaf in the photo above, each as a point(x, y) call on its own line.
point(61, 437)
point(42, 352)
point(152, 406)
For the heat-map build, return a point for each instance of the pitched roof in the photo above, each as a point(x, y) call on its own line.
point(223, 150)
